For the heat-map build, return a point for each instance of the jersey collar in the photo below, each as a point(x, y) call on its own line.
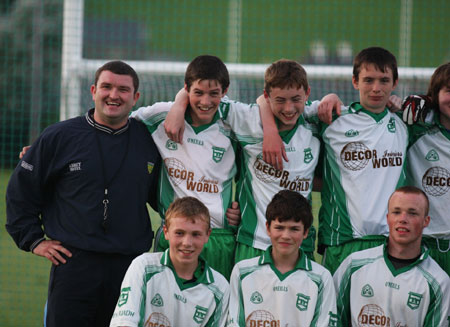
point(444, 131)
point(202, 275)
point(395, 272)
point(357, 107)
point(303, 263)
point(90, 120)
point(198, 129)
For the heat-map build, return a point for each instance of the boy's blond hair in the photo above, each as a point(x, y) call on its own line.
point(189, 208)
point(283, 74)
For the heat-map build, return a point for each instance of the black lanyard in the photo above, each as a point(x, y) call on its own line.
point(107, 183)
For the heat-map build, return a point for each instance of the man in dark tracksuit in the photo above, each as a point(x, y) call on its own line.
point(78, 197)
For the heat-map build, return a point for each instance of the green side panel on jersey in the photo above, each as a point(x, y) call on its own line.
point(165, 192)
point(228, 185)
point(244, 272)
point(435, 310)
point(244, 190)
point(334, 221)
point(153, 122)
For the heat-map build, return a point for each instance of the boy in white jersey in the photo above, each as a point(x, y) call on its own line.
point(282, 287)
point(286, 87)
point(175, 287)
point(204, 165)
point(396, 284)
point(428, 158)
point(364, 157)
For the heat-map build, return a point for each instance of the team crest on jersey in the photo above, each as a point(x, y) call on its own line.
point(171, 145)
point(123, 298)
point(218, 153)
point(256, 298)
point(200, 314)
point(351, 133)
point(157, 300)
point(414, 300)
point(150, 166)
point(391, 125)
point(308, 155)
point(432, 155)
point(302, 302)
point(333, 320)
point(367, 291)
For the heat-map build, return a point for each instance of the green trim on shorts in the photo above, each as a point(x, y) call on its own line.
point(334, 255)
point(218, 252)
point(244, 251)
point(439, 251)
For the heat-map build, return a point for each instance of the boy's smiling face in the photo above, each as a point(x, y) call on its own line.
point(204, 100)
point(287, 104)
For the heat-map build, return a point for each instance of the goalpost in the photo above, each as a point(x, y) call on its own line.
point(246, 79)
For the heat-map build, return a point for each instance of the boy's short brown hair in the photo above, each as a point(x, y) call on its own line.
point(207, 67)
point(439, 79)
point(289, 205)
point(189, 208)
point(285, 73)
point(377, 56)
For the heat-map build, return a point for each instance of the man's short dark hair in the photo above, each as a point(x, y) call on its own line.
point(377, 56)
point(289, 205)
point(207, 67)
point(120, 68)
point(412, 190)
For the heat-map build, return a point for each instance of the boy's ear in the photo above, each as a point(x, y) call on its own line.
point(308, 92)
point(355, 82)
point(165, 230)
point(186, 87)
point(225, 91)
point(305, 233)
point(266, 95)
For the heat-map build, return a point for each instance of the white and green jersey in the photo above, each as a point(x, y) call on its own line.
point(153, 295)
point(364, 162)
point(202, 167)
point(262, 296)
point(428, 168)
point(259, 181)
point(371, 292)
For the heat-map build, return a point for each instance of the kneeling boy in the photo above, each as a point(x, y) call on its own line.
point(282, 285)
point(175, 287)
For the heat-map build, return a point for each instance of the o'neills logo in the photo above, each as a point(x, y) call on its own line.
point(356, 155)
point(178, 174)
point(157, 319)
point(436, 181)
point(371, 315)
point(268, 174)
point(261, 318)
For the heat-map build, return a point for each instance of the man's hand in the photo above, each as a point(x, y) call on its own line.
point(52, 251)
point(234, 214)
point(415, 108)
point(394, 103)
point(24, 150)
point(174, 122)
point(329, 103)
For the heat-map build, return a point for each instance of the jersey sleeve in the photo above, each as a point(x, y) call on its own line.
point(152, 115)
point(128, 311)
point(25, 193)
point(236, 313)
point(438, 313)
point(342, 283)
point(325, 313)
point(244, 119)
point(220, 315)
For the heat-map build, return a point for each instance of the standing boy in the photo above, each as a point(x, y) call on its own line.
point(175, 287)
point(282, 287)
point(204, 165)
point(286, 89)
point(428, 163)
point(396, 284)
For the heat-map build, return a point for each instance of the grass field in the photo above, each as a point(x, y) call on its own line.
point(24, 276)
